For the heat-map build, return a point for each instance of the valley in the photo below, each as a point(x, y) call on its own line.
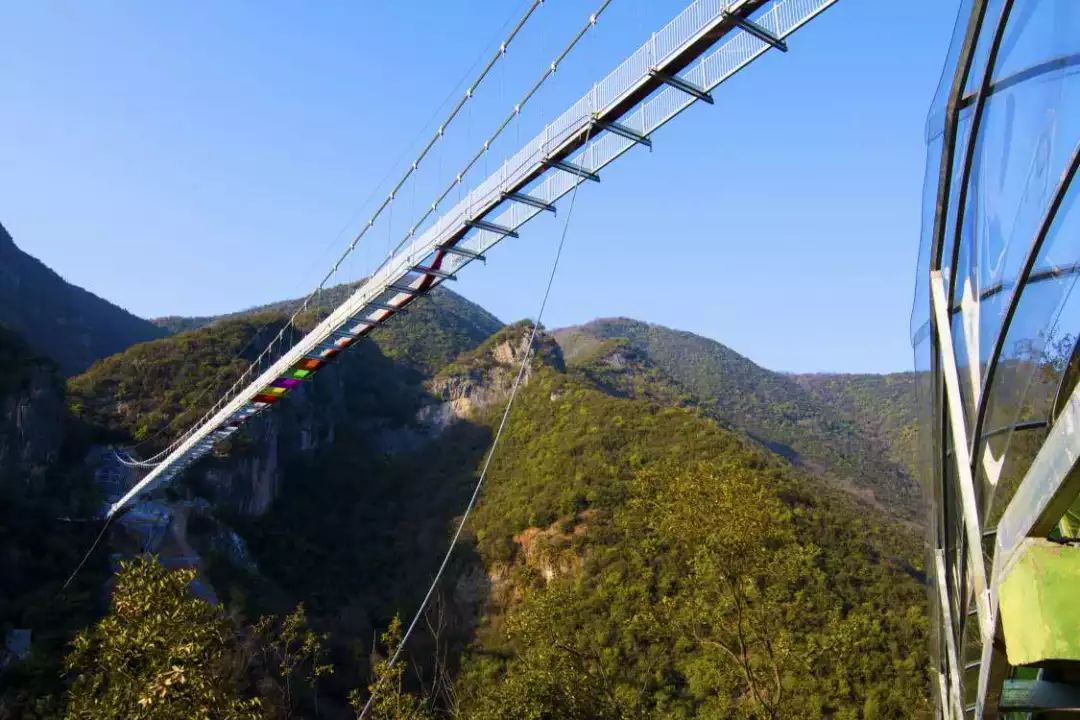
point(667, 530)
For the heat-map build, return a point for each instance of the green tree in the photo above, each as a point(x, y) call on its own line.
point(392, 701)
point(742, 570)
point(291, 650)
point(160, 654)
point(559, 670)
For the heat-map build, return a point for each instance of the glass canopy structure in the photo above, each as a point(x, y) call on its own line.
point(995, 327)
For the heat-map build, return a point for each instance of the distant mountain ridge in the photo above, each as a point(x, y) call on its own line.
point(792, 417)
point(328, 299)
point(71, 325)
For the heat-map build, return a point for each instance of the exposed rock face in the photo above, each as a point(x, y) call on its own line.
point(31, 414)
point(486, 377)
point(365, 401)
point(249, 482)
point(616, 360)
point(466, 395)
point(364, 394)
point(249, 479)
point(550, 550)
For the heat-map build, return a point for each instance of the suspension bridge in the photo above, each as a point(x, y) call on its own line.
point(678, 66)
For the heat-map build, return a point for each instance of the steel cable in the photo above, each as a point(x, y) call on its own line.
point(491, 451)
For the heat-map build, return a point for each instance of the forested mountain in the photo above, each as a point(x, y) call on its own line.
point(882, 405)
point(68, 324)
point(170, 382)
point(635, 553)
point(794, 417)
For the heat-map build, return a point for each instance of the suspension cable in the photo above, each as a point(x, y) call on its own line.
point(515, 112)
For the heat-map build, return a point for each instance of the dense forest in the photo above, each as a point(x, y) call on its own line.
point(636, 552)
point(825, 432)
point(882, 405)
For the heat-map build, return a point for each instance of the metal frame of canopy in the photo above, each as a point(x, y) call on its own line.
point(981, 292)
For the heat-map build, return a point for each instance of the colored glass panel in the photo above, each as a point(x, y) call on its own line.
point(266, 399)
point(287, 383)
point(330, 354)
point(360, 329)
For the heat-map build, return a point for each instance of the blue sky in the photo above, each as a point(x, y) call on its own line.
point(197, 158)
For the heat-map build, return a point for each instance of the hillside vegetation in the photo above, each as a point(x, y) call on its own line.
point(773, 408)
point(639, 551)
point(659, 566)
point(156, 390)
point(882, 405)
point(443, 315)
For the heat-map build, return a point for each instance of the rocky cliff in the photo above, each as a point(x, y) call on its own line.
point(484, 377)
point(364, 393)
point(370, 395)
point(31, 412)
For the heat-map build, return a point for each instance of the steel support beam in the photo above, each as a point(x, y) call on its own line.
point(407, 289)
point(954, 699)
point(529, 200)
point(572, 169)
point(943, 697)
point(952, 121)
point(757, 31)
point(961, 453)
point(622, 130)
point(441, 274)
point(679, 84)
point(461, 252)
point(368, 325)
point(492, 227)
